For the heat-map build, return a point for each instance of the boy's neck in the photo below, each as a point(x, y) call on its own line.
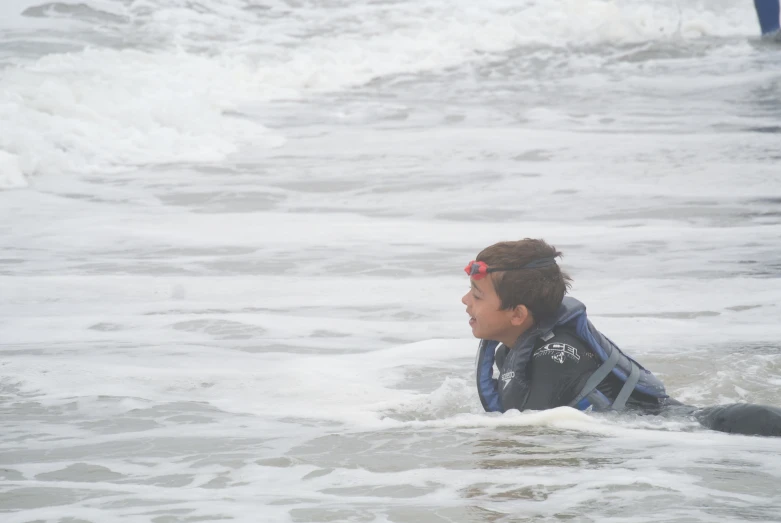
point(516, 334)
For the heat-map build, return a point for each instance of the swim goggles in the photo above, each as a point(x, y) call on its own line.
point(478, 269)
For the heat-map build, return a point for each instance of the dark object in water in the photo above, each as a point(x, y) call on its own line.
point(742, 418)
point(769, 14)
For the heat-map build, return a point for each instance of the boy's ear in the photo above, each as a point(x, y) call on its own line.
point(519, 315)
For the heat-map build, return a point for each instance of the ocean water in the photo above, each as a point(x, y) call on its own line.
point(232, 235)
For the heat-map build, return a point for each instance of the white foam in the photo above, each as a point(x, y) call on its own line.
point(11, 176)
point(107, 108)
point(12, 18)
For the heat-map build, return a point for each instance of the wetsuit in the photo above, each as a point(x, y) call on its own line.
point(560, 366)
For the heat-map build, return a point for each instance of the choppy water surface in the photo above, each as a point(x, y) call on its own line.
point(232, 236)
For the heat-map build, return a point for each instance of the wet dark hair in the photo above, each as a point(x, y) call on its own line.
point(540, 290)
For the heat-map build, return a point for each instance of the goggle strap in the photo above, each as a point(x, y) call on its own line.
point(534, 264)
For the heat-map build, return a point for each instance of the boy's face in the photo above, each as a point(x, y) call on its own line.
point(486, 317)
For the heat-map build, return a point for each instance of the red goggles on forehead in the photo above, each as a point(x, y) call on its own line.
point(478, 269)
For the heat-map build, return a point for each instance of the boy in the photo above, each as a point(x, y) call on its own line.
point(549, 354)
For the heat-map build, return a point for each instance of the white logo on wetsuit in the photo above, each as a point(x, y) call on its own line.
point(506, 377)
point(558, 352)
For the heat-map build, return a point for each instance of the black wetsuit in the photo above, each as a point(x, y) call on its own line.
point(560, 366)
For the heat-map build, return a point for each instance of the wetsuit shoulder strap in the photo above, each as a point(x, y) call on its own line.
point(629, 386)
point(596, 378)
point(601, 373)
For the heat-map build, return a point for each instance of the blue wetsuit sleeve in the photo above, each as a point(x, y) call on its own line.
point(487, 387)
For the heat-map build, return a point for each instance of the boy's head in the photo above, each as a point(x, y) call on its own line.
point(540, 290)
point(506, 302)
